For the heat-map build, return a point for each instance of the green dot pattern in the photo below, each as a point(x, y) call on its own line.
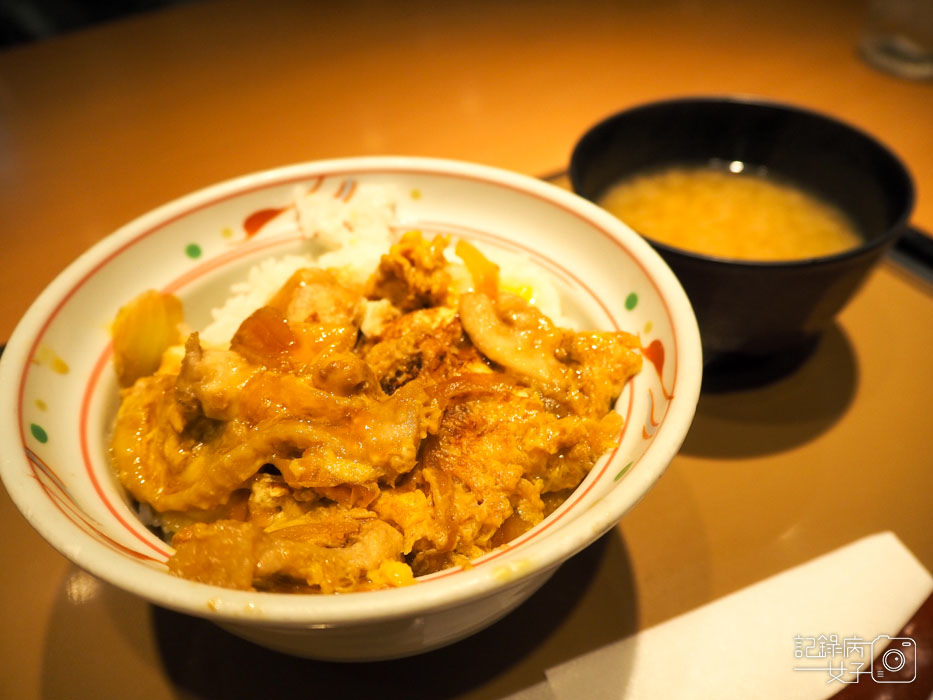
point(623, 471)
point(193, 251)
point(38, 433)
point(631, 301)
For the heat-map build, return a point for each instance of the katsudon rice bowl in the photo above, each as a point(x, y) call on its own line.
point(481, 374)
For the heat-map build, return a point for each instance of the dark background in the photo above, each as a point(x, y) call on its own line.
point(24, 21)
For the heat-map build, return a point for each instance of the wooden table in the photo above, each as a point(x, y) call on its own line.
point(99, 126)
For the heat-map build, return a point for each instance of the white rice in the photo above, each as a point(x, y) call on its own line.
point(353, 236)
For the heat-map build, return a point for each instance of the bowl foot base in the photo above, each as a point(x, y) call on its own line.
point(736, 371)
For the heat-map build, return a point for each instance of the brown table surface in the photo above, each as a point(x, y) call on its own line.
point(101, 125)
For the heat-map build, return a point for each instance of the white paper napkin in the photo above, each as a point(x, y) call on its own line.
point(746, 645)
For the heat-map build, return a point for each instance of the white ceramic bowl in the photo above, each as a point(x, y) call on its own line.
point(59, 395)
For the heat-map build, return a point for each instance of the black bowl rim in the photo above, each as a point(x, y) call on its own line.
point(878, 242)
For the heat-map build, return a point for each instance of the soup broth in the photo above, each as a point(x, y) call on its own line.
point(742, 216)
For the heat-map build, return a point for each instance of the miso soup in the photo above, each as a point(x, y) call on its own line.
point(742, 216)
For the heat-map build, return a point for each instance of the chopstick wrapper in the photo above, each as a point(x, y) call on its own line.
point(764, 640)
